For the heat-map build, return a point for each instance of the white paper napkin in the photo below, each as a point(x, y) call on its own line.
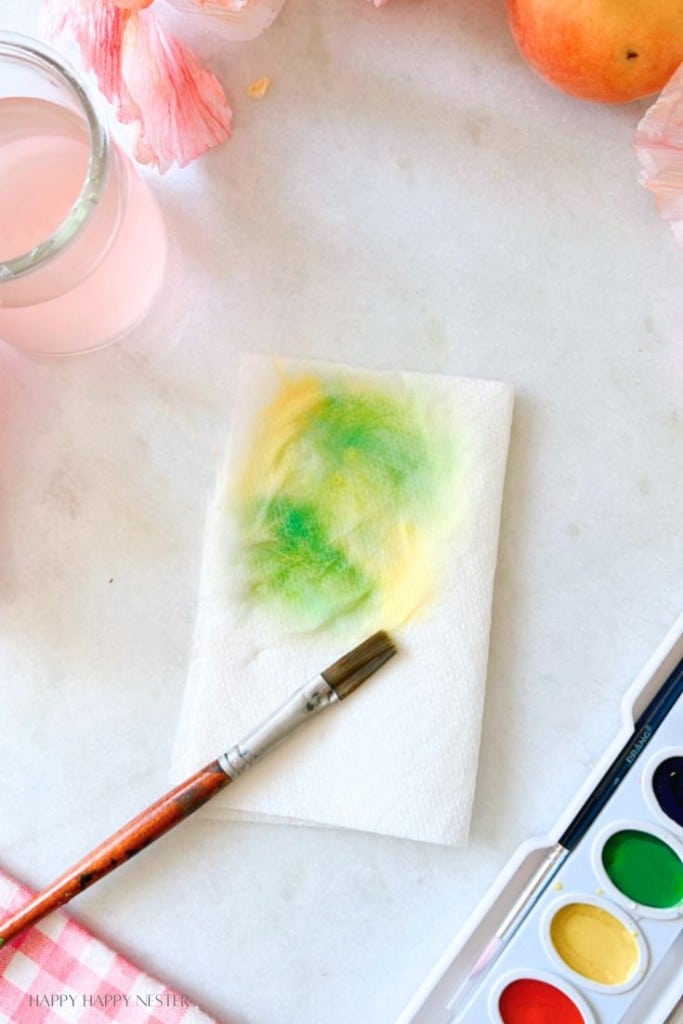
point(399, 757)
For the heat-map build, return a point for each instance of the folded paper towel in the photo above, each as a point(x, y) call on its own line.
point(349, 501)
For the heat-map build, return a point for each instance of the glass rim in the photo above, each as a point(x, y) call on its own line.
point(13, 45)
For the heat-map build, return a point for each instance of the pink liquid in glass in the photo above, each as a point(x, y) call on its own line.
point(103, 282)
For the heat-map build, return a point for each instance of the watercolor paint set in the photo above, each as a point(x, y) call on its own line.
point(586, 925)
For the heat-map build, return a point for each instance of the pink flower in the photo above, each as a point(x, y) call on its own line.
point(658, 144)
point(152, 79)
point(97, 26)
point(185, 109)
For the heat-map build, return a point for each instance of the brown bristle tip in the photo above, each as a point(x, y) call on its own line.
point(357, 665)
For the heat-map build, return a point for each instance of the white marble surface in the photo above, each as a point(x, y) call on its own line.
point(409, 195)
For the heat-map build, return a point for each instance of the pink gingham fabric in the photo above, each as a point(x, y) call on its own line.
point(58, 973)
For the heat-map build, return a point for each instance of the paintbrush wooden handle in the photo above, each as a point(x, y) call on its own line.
point(151, 823)
point(335, 683)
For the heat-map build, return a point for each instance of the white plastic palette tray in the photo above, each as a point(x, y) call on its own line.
point(603, 943)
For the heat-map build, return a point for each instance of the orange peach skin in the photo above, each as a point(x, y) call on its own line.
point(611, 51)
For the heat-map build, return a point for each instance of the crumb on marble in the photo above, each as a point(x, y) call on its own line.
point(258, 89)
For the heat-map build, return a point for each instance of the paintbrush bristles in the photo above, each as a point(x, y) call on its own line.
point(353, 668)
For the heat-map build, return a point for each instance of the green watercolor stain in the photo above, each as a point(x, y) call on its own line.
point(373, 441)
point(358, 469)
point(644, 868)
point(297, 564)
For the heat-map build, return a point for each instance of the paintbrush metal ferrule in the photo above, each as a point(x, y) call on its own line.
point(306, 702)
point(509, 925)
point(334, 683)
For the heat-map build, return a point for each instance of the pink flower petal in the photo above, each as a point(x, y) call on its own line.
point(659, 147)
point(151, 78)
point(97, 26)
point(133, 5)
point(181, 106)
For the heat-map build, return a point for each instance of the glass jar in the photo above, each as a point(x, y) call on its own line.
point(82, 240)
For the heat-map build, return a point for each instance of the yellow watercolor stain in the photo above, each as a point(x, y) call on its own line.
point(343, 500)
point(595, 943)
point(558, 887)
point(258, 89)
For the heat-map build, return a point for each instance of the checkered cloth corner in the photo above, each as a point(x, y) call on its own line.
point(58, 973)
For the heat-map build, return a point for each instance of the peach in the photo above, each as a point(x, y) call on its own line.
point(611, 51)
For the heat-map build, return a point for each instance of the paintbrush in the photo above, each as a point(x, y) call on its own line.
point(333, 684)
point(645, 727)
